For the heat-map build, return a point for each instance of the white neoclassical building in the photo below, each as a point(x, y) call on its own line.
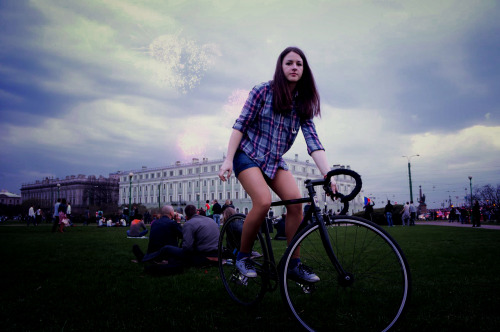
point(196, 182)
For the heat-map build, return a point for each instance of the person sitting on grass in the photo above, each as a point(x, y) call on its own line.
point(136, 226)
point(199, 245)
point(165, 231)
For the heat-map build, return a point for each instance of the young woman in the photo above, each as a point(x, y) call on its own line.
point(265, 130)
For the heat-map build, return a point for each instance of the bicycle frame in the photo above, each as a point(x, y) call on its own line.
point(354, 259)
point(315, 211)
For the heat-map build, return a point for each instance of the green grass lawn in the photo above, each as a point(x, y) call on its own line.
point(84, 280)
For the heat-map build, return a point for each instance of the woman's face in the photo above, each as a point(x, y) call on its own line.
point(292, 67)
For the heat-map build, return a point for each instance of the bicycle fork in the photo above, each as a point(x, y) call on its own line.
point(345, 278)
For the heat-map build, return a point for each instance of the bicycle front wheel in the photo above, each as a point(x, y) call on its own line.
point(243, 290)
point(373, 293)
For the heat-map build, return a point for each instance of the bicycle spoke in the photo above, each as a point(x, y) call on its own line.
point(376, 297)
point(245, 291)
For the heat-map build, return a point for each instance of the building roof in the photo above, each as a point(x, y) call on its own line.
point(4, 192)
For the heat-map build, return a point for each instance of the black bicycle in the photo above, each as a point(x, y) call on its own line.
point(364, 276)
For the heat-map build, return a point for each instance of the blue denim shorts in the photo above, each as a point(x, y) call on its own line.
point(242, 162)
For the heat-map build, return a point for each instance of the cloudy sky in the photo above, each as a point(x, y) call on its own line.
point(98, 86)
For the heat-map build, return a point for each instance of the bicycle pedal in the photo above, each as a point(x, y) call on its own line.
point(307, 288)
point(242, 280)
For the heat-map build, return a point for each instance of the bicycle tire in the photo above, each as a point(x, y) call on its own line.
point(379, 271)
point(245, 291)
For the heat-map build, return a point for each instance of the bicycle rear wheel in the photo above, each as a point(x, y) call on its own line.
point(243, 290)
point(377, 291)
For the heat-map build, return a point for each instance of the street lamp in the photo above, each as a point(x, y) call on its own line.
point(470, 183)
point(130, 175)
point(58, 190)
point(159, 188)
point(409, 173)
point(199, 186)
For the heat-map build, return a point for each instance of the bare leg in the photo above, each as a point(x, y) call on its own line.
point(285, 186)
point(255, 185)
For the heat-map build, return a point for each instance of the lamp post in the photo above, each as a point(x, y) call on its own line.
point(130, 175)
point(58, 190)
point(199, 186)
point(409, 173)
point(470, 183)
point(159, 201)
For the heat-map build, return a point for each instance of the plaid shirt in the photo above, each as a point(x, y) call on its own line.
point(267, 136)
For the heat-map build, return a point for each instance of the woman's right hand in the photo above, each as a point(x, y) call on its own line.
point(227, 166)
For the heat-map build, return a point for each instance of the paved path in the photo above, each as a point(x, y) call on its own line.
point(455, 224)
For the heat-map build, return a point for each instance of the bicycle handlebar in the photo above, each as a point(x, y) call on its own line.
point(343, 198)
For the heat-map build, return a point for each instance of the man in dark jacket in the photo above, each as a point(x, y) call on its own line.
point(217, 211)
point(476, 215)
point(388, 213)
point(165, 231)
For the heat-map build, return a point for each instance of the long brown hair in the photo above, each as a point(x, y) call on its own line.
point(308, 104)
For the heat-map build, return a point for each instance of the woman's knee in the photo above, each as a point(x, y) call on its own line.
point(294, 209)
point(261, 204)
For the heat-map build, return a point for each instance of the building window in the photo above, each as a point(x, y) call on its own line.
point(237, 195)
point(180, 172)
point(220, 196)
point(152, 175)
point(171, 173)
point(190, 171)
point(213, 168)
point(205, 169)
point(180, 198)
point(228, 195)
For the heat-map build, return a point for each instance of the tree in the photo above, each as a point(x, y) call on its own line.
point(489, 195)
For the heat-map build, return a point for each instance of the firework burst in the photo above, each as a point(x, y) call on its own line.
point(182, 63)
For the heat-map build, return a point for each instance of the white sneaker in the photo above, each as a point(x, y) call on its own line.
point(245, 266)
point(303, 272)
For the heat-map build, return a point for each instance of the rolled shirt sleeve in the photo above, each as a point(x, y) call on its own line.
point(312, 140)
